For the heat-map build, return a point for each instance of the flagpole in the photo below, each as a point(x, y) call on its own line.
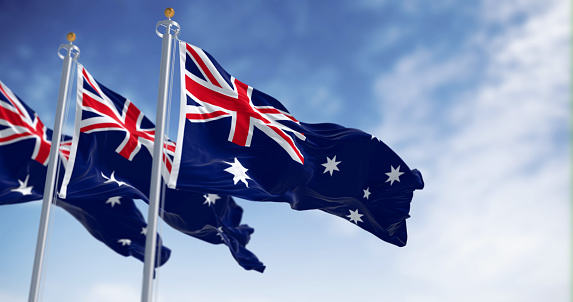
point(72, 53)
point(155, 186)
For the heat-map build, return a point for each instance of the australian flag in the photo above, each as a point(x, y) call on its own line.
point(24, 148)
point(239, 141)
point(111, 156)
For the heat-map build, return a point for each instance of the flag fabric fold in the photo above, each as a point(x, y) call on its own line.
point(216, 220)
point(111, 155)
point(236, 140)
point(24, 141)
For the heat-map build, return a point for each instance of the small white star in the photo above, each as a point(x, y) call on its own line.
point(124, 242)
point(394, 174)
point(374, 137)
point(239, 172)
point(211, 199)
point(113, 201)
point(220, 233)
point(331, 165)
point(355, 216)
point(112, 179)
point(23, 188)
point(366, 193)
point(143, 231)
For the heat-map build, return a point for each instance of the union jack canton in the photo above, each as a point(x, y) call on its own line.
point(21, 123)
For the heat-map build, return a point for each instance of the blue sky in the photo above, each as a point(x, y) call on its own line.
point(473, 94)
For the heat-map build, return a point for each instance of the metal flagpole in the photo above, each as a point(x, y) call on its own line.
point(155, 187)
point(72, 53)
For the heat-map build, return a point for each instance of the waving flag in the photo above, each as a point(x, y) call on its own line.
point(21, 123)
point(239, 141)
point(111, 156)
point(24, 147)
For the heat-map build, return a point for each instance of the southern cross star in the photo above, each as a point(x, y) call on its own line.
point(355, 216)
point(210, 199)
point(220, 233)
point(394, 174)
point(113, 200)
point(366, 193)
point(143, 231)
point(331, 165)
point(23, 188)
point(124, 242)
point(239, 172)
point(112, 179)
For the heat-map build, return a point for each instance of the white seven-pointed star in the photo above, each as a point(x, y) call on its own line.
point(23, 188)
point(210, 199)
point(394, 174)
point(113, 201)
point(143, 231)
point(366, 193)
point(112, 179)
point(355, 216)
point(220, 233)
point(331, 165)
point(239, 172)
point(124, 242)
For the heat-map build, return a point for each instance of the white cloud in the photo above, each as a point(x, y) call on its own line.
point(411, 7)
point(407, 92)
point(112, 293)
point(504, 11)
point(320, 103)
point(10, 297)
point(326, 102)
point(495, 220)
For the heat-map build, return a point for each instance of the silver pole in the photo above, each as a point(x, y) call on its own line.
point(155, 186)
point(53, 162)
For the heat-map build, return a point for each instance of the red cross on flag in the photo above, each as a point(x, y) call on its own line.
point(108, 117)
point(221, 96)
point(17, 122)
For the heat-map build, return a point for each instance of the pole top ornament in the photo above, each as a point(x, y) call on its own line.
point(169, 12)
point(69, 49)
point(171, 26)
point(71, 37)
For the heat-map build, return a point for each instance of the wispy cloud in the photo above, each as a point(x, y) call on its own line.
point(495, 158)
point(111, 293)
point(10, 297)
point(315, 92)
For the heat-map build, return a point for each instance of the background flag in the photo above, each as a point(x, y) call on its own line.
point(24, 147)
point(111, 156)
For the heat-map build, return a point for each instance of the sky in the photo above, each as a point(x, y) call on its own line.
point(474, 94)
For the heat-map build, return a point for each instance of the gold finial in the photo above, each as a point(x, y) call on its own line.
point(71, 37)
point(169, 12)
